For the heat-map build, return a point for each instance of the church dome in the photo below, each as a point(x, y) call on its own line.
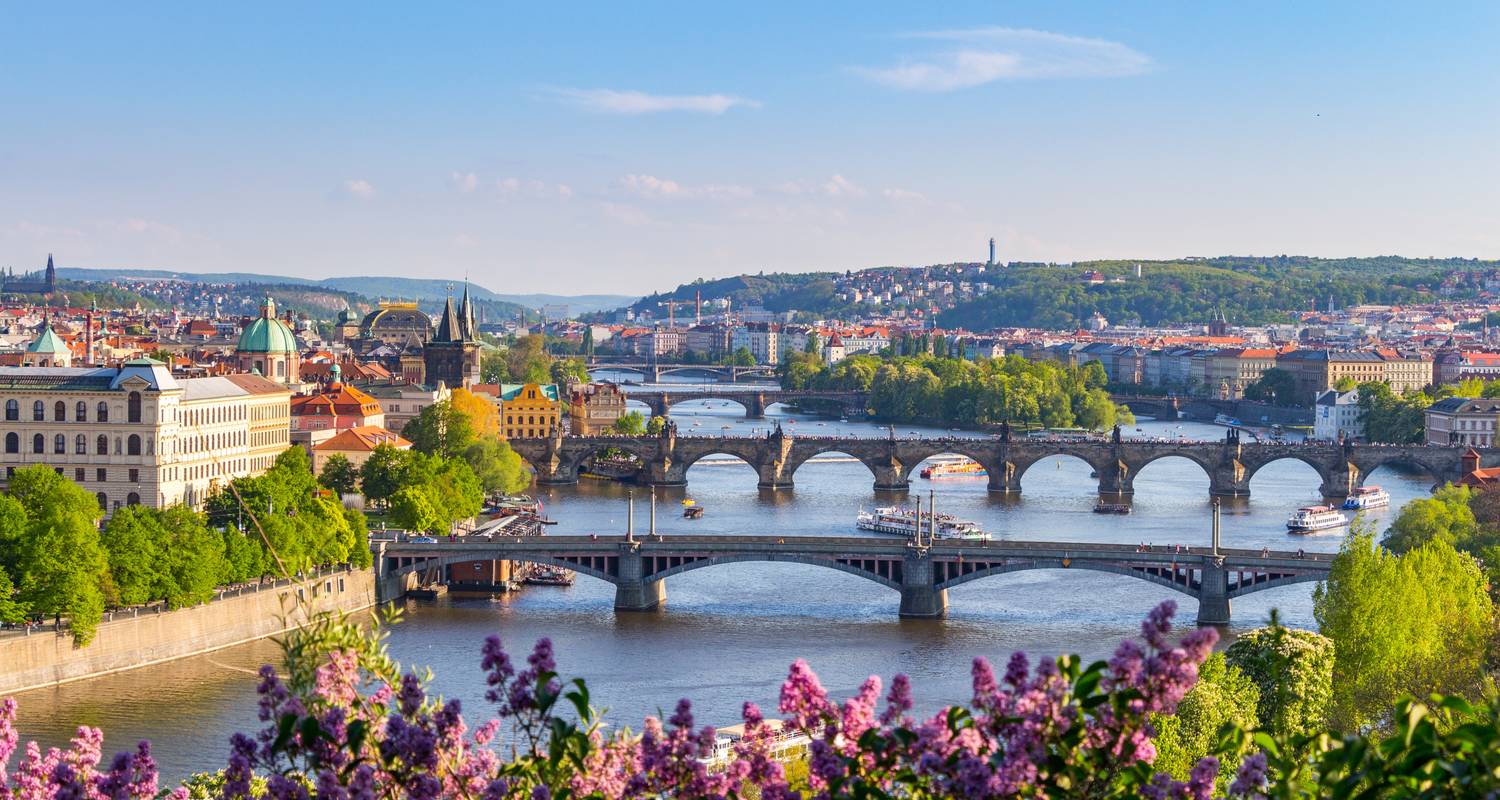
point(267, 334)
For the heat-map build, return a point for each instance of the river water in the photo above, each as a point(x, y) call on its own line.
point(728, 633)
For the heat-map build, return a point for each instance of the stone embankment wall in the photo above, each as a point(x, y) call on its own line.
point(136, 638)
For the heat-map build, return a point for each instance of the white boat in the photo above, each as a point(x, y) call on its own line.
point(1315, 518)
point(1366, 497)
point(902, 521)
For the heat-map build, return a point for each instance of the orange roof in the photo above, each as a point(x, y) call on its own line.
point(362, 438)
point(340, 399)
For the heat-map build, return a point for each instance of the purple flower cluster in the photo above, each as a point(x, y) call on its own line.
point(1056, 730)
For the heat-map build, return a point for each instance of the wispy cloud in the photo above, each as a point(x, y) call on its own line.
point(465, 181)
point(359, 188)
point(612, 101)
point(839, 186)
point(904, 196)
point(514, 187)
point(979, 56)
point(652, 187)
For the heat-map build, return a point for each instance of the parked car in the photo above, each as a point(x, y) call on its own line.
point(422, 540)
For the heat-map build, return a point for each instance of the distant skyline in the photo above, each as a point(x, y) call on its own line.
point(625, 149)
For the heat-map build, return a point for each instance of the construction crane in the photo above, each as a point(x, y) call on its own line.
point(672, 310)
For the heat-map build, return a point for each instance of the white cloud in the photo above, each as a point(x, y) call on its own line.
point(839, 186)
point(465, 181)
point(542, 190)
point(986, 55)
point(564, 191)
point(611, 101)
point(359, 188)
point(509, 185)
point(904, 196)
point(652, 187)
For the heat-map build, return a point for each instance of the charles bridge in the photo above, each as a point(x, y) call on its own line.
point(923, 574)
point(654, 370)
point(755, 401)
point(1229, 463)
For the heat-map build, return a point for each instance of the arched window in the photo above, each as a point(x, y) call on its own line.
point(60, 412)
point(38, 411)
point(12, 410)
point(81, 412)
point(133, 445)
point(103, 412)
point(133, 407)
point(12, 443)
point(38, 444)
point(103, 501)
point(101, 447)
point(132, 499)
point(81, 445)
point(60, 444)
point(281, 369)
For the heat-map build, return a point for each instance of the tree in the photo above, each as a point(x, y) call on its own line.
point(191, 557)
point(588, 341)
point(12, 610)
point(1445, 516)
point(59, 562)
point(569, 370)
point(497, 466)
point(1408, 624)
point(1276, 386)
point(412, 510)
point(339, 475)
point(441, 429)
point(493, 367)
point(132, 546)
point(382, 473)
point(481, 413)
point(1223, 695)
point(1345, 384)
point(741, 357)
point(1293, 672)
point(1392, 419)
point(527, 361)
point(631, 423)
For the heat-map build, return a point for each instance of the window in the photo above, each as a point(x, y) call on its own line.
point(133, 445)
point(133, 407)
point(78, 474)
point(101, 446)
point(103, 415)
point(100, 474)
point(60, 444)
point(38, 444)
point(81, 412)
point(81, 445)
point(132, 499)
point(135, 475)
point(12, 442)
point(38, 411)
point(12, 410)
point(60, 412)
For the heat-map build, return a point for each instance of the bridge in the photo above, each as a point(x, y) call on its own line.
point(1228, 463)
point(654, 370)
point(638, 568)
point(755, 401)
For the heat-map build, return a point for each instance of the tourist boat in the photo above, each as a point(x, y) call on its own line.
point(902, 521)
point(1315, 518)
point(1366, 497)
point(550, 576)
point(1111, 508)
point(692, 512)
point(953, 468)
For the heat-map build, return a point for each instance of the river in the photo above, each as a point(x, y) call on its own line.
point(728, 632)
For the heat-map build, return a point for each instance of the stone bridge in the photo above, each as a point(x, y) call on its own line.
point(653, 371)
point(755, 401)
point(922, 574)
point(1229, 463)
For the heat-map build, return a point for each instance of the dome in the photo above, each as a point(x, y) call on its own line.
point(267, 334)
point(393, 318)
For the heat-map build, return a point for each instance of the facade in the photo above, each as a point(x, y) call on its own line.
point(355, 444)
point(1463, 420)
point(268, 347)
point(1228, 372)
point(338, 407)
point(529, 410)
point(594, 408)
point(1455, 366)
point(133, 434)
point(403, 402)
point(1336, 416)
point(394, 323)
point(1317, 371)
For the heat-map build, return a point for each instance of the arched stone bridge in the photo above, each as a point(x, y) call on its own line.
point(1229, 464)
point(755, 401)
point(638, 568)
point(653, 371)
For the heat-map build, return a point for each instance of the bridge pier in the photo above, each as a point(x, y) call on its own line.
point(920, 597)
point(755, 406)
point(1341, 482)
point(1116, 481)
point(1005, 480)
point(1213, 596)
point(633, 592)
point(665, 472)
point(891, 478)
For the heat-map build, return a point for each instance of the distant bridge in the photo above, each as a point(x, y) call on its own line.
point(755, 401)
point(654, 370)
point(923, 575)
point(1229, 463)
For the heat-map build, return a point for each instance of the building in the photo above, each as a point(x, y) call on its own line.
point(133, 434)
point(1336, 416)
point(1455, 366)
point(355, 444)
point(47, 350)
point(403, 402)
point(529, 410)
point(338, 407)
point(396, 323)
point(1463, 420)
point(1228, 372)
point(268, 347)
point(452, 356)
point(594, 408)
point(1317, 371)
point(43, 282)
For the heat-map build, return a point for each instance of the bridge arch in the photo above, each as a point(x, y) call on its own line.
point(1368, 465)
point(1002, 569)
point(804, 454)
point(643, 450)
point(1272, 583)
point(977, 455)
point(442, 562)
point(769, 557)
point(1024, 467)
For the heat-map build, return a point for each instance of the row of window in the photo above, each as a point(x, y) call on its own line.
point(132, 444)
point(80, 410)
point(131, 499)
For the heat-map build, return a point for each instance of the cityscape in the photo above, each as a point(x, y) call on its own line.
point(279, 470)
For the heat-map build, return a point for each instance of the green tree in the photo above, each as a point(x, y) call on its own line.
point(441, 429)
point(59, 562)
point(339, 475)
point(1392, 419)
point(655, 425)
point(1408, 624)
point(568, 370)
point(1276, 386)
point(412, 510)
point(631, 423)
point(1223, 695)
point(741, 357)
point(1345, 384)
point(527, 360)
point(191, 557)
point(132, 540)
point(382, 473)
point(493, 367)
point(12, 610)
point(1445, 516)
point(497, 466)
point(1293, 672)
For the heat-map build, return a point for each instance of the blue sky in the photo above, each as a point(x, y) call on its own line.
point(627, 147)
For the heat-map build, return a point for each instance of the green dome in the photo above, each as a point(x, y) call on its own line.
point(267, 334)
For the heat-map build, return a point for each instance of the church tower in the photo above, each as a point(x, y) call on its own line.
point(452, 356)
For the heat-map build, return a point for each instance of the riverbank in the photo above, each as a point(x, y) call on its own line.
point(140, 637)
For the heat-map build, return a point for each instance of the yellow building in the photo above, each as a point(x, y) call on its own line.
point(529, 410)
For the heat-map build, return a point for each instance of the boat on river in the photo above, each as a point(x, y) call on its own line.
point(1367, 497)
point(1315, 518)
point(548, 575)
point(958, 467)
point(903, 521)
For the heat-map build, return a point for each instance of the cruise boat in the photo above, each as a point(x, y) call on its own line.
point(953, 468)
point(902, 521)
point(1366, 497)
point(1315, 518)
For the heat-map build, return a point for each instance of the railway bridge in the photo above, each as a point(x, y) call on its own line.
point(639, 567)
point(1229, 463)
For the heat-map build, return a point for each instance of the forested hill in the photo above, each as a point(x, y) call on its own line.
point(778, 291)
point(1249, 290)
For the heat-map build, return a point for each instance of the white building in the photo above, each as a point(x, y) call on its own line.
point(1337, 414)
point(1463, 420)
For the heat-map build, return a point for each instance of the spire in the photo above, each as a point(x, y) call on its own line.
point(466, 316)
point(449, 328)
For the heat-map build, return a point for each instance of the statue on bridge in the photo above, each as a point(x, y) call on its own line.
point(1114, 435)
point(1005, 430)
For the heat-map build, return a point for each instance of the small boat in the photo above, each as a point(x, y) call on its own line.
point(1111, 508)
point(550, 576)
point(1315, 518)
point(940, 468)
point(902, 521)
point(1366, 497)
point(692, 512)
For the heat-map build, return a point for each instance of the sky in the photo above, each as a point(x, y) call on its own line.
point(627, 147)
